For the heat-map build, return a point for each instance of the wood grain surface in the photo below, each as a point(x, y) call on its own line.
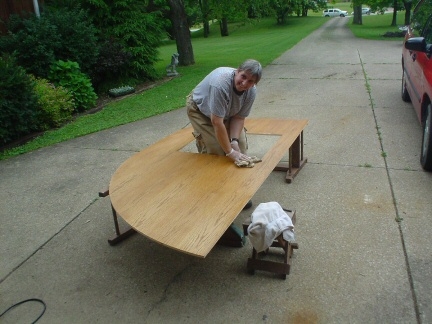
point(186, 201)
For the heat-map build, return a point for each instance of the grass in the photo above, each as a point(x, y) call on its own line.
point(375, 26)
point(262, 40)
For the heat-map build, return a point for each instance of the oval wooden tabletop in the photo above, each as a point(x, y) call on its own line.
point(186, 201)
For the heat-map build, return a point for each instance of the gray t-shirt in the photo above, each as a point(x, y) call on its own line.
point(215, 95)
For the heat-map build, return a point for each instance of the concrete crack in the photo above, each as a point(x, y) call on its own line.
point(164, 296)
point(49, 240)
point(395, 205)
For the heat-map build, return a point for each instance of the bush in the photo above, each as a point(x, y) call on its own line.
point(65, 34)
point(55, 104)
point(79, 41)
point(18, 102)
point(68, 75)
point(33, 43)
point(111, 64)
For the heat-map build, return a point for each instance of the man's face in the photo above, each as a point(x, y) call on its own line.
point(244, 80)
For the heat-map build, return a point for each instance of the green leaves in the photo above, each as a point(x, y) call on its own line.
point(56, 105)
point(57, 35)
point(18, 102)
point(68, 75)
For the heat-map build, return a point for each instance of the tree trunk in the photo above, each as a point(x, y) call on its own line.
point(206, 28)
point(224, 27)
point(181, 32)
point(407, 5)
point(357, 19)
point(205, 11)
point(395, 7)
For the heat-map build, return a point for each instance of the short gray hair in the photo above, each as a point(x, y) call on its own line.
point(253, 67)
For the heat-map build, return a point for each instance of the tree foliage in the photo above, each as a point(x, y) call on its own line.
point(379, 6)
point(301, 7)
point(228, 10)
point(282, 9)
point(259, 8)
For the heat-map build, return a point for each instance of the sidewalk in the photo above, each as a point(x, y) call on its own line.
point(355, 263)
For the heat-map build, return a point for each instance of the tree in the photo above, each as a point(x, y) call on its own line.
point(225, 10)
point(357, 19)
point(181, 32)
point(408, 5)
point(380, 6)
point(260, 8)
point(205, 12)
point(395, 8)
point(282, 8)
point(301, 7)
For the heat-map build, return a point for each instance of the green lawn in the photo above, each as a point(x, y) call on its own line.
point(262, 40)
point(374, 26)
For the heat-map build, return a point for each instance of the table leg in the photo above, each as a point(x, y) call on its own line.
point(119, 235)
point(296, 161)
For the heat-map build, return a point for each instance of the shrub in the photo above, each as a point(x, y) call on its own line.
point(62, 34)
point(79, 41)
point(18, 102)
point(111, 64)
point(68, 75)
point(55, 104)
point(32, 42)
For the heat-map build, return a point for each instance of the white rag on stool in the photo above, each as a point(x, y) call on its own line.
point(268, 221)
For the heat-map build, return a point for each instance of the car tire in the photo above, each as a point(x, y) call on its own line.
point(342, 15)
point(426, 149)
point(404, 92)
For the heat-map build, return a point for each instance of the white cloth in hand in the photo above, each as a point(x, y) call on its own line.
point(269, 220)
point(247, 163)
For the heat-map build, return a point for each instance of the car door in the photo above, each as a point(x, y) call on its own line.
point(418, 62)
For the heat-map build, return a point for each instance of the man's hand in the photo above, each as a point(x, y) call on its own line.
point(238, 156)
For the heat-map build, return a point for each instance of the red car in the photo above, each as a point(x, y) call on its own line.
point(417, 74)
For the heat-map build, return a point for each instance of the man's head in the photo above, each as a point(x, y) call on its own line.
point(247, 75)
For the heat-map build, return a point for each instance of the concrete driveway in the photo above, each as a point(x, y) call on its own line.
point(363, 203)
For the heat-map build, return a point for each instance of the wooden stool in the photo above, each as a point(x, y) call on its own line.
point(282, 268)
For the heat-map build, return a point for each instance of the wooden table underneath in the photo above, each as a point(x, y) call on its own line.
point(186, 201)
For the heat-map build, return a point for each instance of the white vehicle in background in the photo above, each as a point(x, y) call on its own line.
point(365, 11)
point(335, 12)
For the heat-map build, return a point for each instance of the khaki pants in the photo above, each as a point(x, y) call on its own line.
point(204, 133)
